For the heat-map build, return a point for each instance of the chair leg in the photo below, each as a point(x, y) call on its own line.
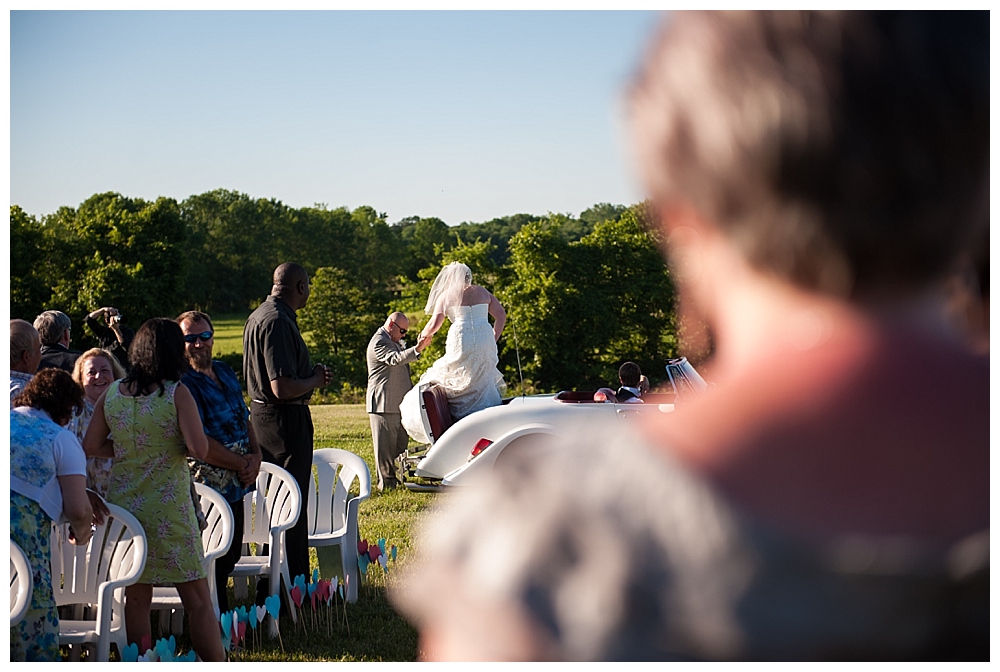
point(240, 587)
point(349, 562)
point(177, 622)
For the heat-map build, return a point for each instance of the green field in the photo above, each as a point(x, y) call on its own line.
point(228, 333)
point(374, 631)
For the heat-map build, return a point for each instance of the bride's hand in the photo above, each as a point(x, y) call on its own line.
point(423, 341)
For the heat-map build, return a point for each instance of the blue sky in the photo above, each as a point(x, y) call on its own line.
point(464, 116)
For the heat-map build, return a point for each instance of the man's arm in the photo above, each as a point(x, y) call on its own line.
point(248, 474)
point(385, 353)
point(286, 387)
point(220, 456)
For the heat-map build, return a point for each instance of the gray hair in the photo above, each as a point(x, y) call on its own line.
point(22, 336)
point(51, 324)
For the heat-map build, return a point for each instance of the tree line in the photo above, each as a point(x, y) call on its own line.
point(582, 294)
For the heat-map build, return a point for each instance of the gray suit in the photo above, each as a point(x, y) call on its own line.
point(388, 381)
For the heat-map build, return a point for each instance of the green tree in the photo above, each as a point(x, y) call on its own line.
point(582, 308)
point(235, 244)
point(340, 318)
point(123, 252)
point(30, 286)
point(424, 240)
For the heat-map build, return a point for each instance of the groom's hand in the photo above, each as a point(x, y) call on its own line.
point(423, 341)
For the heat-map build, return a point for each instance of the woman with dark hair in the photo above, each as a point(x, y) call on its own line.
point(48, 480)
point(154, 424)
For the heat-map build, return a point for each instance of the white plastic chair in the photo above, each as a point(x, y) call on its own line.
point(20, 584)
point(268, 512)
point(332, 514)
point(215, 540)
point(97, 574)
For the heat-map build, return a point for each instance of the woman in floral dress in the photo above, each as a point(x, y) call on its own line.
point(47, 481)
point(154, 424)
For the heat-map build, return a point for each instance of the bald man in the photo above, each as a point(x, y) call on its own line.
point(280, 380)
point(25, 354)
point(388, 380)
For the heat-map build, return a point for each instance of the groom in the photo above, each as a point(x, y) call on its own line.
point(388, 381)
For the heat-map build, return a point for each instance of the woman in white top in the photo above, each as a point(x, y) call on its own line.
point(47, 483)
point(468, 369)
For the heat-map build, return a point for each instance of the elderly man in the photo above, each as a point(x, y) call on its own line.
point(388, 380)
point(25, 354)
point(280, 380)
point(234, 457)
point(53, 327)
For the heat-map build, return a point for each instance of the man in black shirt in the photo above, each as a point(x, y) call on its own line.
point(280, 380)
point(53, 327)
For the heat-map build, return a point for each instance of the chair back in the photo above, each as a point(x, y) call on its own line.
point(272, 508)
point(21, 583)
point(218, 535)
point(115, 554)
point(336, 470)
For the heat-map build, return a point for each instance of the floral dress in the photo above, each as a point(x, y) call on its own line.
point(35, 501)
point(98, 468)
point(151, 480)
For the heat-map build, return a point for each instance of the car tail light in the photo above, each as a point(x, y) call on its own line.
point(481, 445)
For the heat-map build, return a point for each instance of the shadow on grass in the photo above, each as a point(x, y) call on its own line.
point(373, 631)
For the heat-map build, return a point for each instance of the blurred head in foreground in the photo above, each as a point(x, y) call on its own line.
point(818, 178)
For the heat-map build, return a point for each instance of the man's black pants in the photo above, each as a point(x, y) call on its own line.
point(285, 436)
point(224, 565)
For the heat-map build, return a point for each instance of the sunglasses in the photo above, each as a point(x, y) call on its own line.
point(402, 332)
point(204, 336)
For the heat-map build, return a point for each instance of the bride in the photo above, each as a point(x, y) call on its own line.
point(468, 370)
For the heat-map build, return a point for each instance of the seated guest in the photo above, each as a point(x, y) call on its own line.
point(53, 327)
point(233, 460)
point(633, 386)
point(94, 370)
point(112, 335)
point(47, 481)
point(25, 355)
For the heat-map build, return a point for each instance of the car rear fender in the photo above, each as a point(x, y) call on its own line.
point(482, 464)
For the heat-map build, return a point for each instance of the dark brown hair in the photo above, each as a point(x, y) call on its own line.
point(194, 316)
point(156, 354)
point(629, 373)
point(53, 391)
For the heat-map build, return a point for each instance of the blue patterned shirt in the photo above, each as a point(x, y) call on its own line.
point(224, 416)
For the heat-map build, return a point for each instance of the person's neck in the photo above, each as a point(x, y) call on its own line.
point(206, 370)
point(287, 299)
point(757, 317)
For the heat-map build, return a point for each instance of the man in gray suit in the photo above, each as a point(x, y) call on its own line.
point(388, 381)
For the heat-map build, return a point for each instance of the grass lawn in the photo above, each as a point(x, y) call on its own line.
point(228, 333)
point(373, 632)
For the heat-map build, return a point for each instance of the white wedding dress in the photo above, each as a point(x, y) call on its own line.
point(467, 371)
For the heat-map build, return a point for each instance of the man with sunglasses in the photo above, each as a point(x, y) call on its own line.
point(233, 459)
point(388, 381)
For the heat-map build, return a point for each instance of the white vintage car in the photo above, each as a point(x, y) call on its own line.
point(464, 450)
